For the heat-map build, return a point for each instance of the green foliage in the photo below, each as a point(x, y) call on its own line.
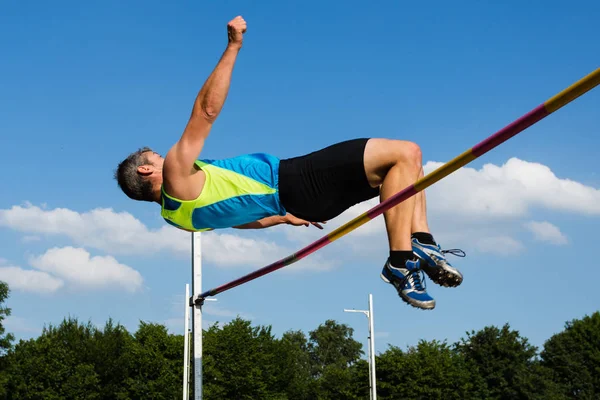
point(242, 361)
point(332, 352)
point(507, 363)
point(574, 357)
point(239, 361)
point(430, 370)
point(80, 361)
point(156, 363)
point(294, 366)
point(5, 338)
point(331, 344)
point(56, 365)
point(245, 362)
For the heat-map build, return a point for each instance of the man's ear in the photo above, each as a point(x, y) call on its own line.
point(144, 170)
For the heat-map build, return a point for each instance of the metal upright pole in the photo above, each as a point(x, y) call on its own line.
point(186, 341)
point(370, 372)
point(372, 352)
point(197, 314)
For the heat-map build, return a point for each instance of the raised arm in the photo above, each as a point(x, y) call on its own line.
point(180, 159)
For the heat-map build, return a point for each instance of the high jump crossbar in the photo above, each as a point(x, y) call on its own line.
point(540, 112)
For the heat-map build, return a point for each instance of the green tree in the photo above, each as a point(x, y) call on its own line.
point(55, 365)
point(240, 362)
point(332, 344)
point(360, 379)
point(79, 361)
point(293, 366)
point(430, 370)
point(333, 352)
point(5, 338)
point(507, 362)
point(112, 355)
point(574, 357)
point(157, 368)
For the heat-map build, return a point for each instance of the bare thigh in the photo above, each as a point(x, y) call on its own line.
point(382, 154)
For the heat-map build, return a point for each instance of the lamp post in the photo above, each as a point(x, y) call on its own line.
point(372, 380)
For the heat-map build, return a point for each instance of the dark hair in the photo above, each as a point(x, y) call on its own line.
point(134, 185)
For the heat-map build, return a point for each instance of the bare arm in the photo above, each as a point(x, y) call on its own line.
point(263, 223)
point(276, 220)
point(179, 161)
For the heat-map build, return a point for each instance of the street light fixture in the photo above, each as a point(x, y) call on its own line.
point(372, 380)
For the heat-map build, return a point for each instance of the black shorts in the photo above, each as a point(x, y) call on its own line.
point(323, 184)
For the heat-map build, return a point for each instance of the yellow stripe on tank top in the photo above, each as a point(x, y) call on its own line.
point(241, 185)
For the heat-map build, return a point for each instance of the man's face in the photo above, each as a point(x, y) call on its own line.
point(155, 159)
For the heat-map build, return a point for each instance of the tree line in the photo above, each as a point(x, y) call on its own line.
point(76, 360)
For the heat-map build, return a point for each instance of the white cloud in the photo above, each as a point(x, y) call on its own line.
point(29, 280)
point(485, 203)
point(509, 190)
point(101, 228)
point(230, 250)
point(480, 207)
point(500, 245)
point(58, 267)
point(227, 249)
point(122, 233)
point(306, 235)
point(546, 232)
point(78, 267)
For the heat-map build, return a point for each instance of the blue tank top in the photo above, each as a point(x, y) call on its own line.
point(237, 191)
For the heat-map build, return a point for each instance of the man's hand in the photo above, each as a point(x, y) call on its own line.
point(292, 220)
point(235, 30)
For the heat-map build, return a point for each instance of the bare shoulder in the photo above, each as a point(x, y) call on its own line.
point(183, 182)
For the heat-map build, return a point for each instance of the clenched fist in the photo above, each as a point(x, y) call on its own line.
point(235, 30)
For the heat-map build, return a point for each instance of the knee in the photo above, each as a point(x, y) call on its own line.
point(409, 154)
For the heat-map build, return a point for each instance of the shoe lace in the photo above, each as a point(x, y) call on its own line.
point(455, 252)
point(416, 278)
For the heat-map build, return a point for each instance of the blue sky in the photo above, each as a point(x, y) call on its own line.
point(82, 85)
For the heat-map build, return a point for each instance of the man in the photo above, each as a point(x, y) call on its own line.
point(260, 190)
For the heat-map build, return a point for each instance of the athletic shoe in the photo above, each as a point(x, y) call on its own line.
point(410, 283)
point(435, 265)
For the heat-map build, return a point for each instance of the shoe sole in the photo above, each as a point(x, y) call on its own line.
point(407, 300)
point(442, 276)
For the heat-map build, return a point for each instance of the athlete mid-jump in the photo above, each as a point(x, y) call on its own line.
point(260, 190)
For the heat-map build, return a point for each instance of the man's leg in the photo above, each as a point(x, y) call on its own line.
point(419, 220)
point(433, 260)
point(323, 184)
point(393, 165)
point(396, 164)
